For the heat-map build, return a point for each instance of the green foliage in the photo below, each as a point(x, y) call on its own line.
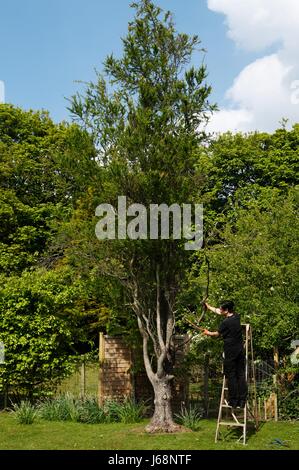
point(90, 412)
point(25, 413)
point(67, 408)
point(289, 405)
point(235, 162)
point(256, 264)
point(237, 170)
point(38, 181)
point(38, 326)
point(125, 412)
point(46, 317)
point(190, 417)
point(63, 408)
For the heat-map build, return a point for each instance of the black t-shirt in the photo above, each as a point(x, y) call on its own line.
point(231, 332)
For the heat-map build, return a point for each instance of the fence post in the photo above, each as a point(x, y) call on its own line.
point(275, 398)
point(82, 380)
point(101, 365)
point(276, 366)
point(206, 384)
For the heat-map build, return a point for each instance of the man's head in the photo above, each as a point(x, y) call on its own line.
point(227, 307)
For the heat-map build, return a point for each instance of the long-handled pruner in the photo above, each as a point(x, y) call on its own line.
point(203, 303)
point(199, 328)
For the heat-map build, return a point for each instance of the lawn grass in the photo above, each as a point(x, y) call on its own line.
point(45, 435)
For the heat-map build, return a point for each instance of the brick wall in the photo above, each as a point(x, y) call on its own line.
point(115, 377)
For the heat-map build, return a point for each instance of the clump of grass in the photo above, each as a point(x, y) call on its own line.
point(63, 408)
point(90, 412)
point(25, 413)
point(67, 408)
point(190, 417)
point(125, 412)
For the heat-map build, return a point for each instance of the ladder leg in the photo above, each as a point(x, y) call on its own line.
point(245, 425)
point(220, 409)
point(255, 410)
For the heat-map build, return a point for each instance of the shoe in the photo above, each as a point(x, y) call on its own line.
point(233, 404)
point(241, 404)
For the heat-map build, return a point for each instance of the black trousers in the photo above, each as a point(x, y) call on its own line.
point(234, 371)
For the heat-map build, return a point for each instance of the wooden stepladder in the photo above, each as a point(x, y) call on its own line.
point(229, 416)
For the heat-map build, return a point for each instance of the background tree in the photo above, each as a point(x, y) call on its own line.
point(39, 184)
point(256, 263)
point(40, 187)
point(238, 168)
point(144, 118)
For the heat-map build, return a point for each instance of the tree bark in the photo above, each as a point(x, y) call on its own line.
point(162, 420)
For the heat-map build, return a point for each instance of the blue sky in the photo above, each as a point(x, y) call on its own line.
point(46, 45)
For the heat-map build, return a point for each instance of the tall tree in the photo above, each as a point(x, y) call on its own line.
point(144, 114)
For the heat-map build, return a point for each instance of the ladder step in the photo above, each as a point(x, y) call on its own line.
point(230, 423)
point(236, 409)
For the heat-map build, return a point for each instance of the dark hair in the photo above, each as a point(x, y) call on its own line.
point(228, 305)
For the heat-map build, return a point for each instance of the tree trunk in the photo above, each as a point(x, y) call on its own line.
point(162, 420)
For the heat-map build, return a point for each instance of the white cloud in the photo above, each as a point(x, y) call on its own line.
point(2, 92)
point(262, 93)
point(230, 120)
point(256, 24)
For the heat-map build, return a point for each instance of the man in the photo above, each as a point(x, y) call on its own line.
point(234, 357)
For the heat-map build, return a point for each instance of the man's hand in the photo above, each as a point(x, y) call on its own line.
point(210, 333)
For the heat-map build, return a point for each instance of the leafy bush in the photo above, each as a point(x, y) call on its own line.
point(190, 417)
point(37, 330)
point(25, 413)
point(289, 406)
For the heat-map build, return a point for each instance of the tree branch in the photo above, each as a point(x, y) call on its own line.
point(147, 364)
point(151, 333)
point(158, 307)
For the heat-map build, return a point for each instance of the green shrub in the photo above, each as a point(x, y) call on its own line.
point(25, 413)
point(289, 406)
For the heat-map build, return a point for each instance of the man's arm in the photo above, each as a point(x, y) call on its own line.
point(213, 309)
point(211, 333)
